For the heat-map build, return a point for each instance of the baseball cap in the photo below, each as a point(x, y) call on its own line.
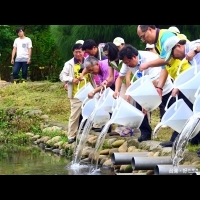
point(79, 42)
point(149, 46)
point(174, 28)
point(118, 41)
point(169, 44)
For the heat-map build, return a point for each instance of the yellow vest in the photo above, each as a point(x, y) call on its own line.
point(173, 65)
point(77, 74)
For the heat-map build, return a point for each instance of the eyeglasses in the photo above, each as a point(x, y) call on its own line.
point(142, 37)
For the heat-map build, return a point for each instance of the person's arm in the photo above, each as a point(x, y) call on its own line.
point(128, 78)
point(97, 89)
point(29, 54)
point(84, 72)
point(154, 63)
point(193, 51)
point(110, 77)
point(30, 46)
point(118, 85)
point(13, 54)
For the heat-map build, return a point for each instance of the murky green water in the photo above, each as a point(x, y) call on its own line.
point(36, 161)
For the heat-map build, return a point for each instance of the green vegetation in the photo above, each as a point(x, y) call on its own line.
point(52, 44)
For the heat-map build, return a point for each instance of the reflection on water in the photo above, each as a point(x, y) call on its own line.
point(35, 161)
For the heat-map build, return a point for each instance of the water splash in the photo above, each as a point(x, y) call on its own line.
point(98, 147)
point(77, 169)
point(190, 130)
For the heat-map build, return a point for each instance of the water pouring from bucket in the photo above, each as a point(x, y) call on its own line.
point(144, 92)
point(99, 115)
point(188, 81)
point(190, 130)
point(123, 113)
point(175, 116)
point(196, 105)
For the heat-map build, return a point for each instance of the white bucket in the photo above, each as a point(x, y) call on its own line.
point(82, 93)
point(176, 115)
point(101, 116)
point(196, 105)
point(144, 93)
point(126, 114)
point(188, 81)
point(106, 100)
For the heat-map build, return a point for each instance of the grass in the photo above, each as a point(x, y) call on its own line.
point(48, 97)
point(52, 100)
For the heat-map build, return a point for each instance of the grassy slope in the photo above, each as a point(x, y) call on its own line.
point(52, 99)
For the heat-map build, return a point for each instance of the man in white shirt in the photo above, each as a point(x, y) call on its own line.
point(132, 58)
point(22, 47)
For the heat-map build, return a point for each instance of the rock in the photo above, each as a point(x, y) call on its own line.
point(111, 140)
point(52, 129)
point(108, 162)
point(150, 154)
point(103, 160)
point(126, 169)
point(104, 152)
point(34, 112)
point(30, 134)
point(86, 151)
point(45, 117)
point(123, 147)
point(150, 172)
point(35, 137)
point(131, 148)
point(156, 154)
point(118, 143)
point(56, 151)
point(43, 139)
point(92, 139)
point(53, 140)
point(111, 151)
point(59, 144)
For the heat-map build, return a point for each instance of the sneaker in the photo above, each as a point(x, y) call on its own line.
point(166, 144)
point(15, 82)
point(144, 137)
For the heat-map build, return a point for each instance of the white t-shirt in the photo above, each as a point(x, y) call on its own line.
point(153, 72)
point(22, 49)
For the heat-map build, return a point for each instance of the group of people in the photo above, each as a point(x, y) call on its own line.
point(113, 65)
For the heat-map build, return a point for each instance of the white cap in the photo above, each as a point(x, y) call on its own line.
point(149, 46)
point(118, 41)
point(169, 44)
point(174, 28)
point(79, 42)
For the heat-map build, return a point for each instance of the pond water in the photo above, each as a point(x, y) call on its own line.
point(36, 161)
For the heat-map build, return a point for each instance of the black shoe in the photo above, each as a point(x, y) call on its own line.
point(97, 129)
point(198, 151)
point(144, 137)
point(166, 144)
point(70, 141)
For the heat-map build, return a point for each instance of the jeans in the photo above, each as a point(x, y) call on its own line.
point(17, 67)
